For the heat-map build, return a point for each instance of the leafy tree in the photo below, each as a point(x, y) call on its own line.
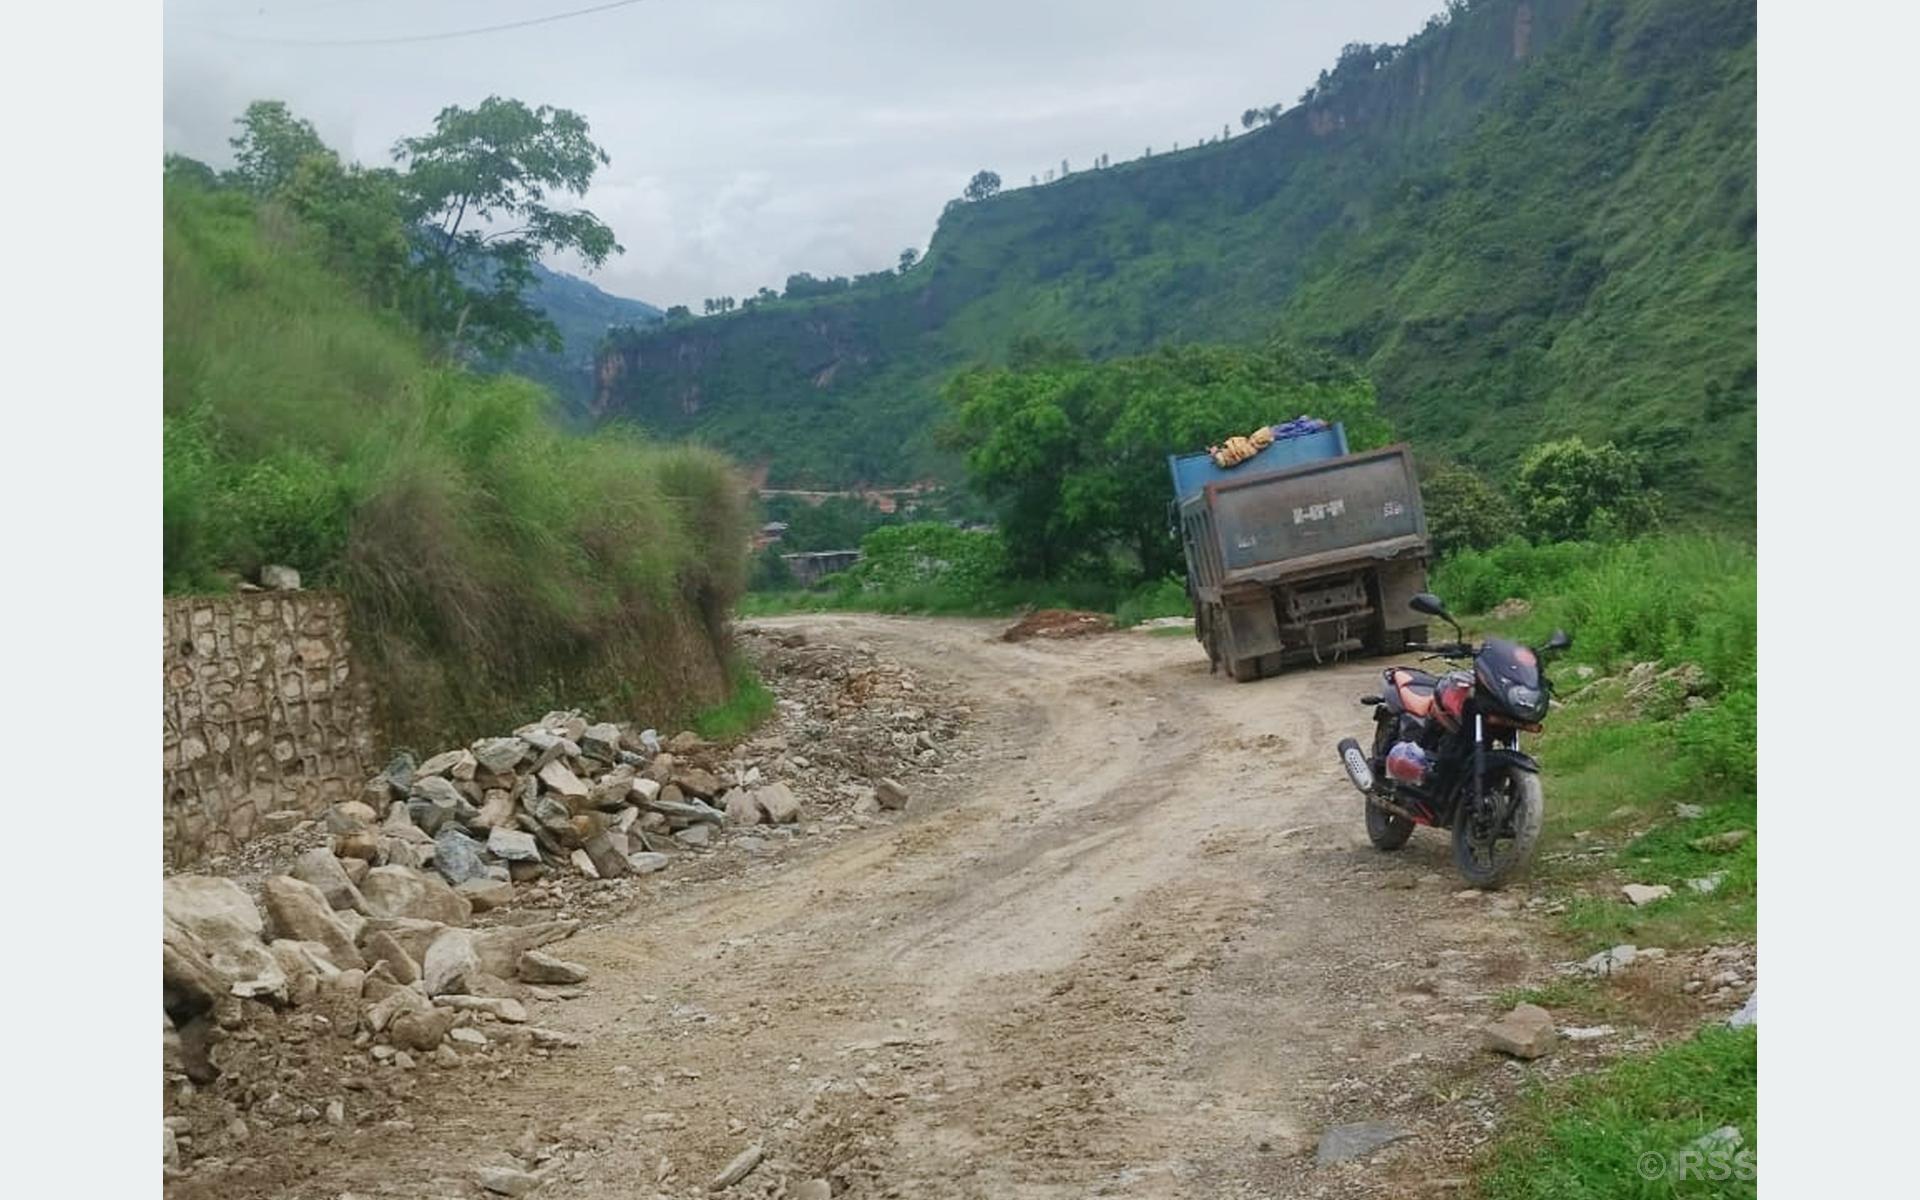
point(1568, 491)
point(356, 213)
point(476, 193)
point(182, 171)
point(770, 572)
point(1464, 512)
point(982, 186)
point(679, 312)
point(1074, 452)
point(803, 285)
point(271, 145)
point(908, 257)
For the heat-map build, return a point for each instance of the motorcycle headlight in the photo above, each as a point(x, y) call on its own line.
point(1525, 701)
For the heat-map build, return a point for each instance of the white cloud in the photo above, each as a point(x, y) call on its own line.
point(752, 139)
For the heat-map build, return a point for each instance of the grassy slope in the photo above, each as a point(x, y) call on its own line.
point(1614, 771)
point(1517, 247)
point(496, 566)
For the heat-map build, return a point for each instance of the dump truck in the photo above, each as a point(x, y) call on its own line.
point(1302, 554)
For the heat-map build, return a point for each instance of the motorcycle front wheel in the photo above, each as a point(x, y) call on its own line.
point(1490, 855)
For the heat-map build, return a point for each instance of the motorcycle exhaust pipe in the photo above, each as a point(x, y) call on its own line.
point(1355, 761)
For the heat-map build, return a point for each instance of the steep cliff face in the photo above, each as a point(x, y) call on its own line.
point(1425, 212)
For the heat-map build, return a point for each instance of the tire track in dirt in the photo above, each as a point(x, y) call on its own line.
point(1136, 939)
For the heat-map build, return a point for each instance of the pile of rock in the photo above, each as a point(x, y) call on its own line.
point(559, 796)
point(398, 948)
point(320, 971)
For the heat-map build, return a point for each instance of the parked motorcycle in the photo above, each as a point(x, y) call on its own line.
point(1446, 751)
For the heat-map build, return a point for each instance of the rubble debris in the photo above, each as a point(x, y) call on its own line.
point(1526, 1032)
point(400, 930)
point(1057, 623)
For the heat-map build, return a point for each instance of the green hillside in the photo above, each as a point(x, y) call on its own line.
point(496, 566)
point(1535, 218)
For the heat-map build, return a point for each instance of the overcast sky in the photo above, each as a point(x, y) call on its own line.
point(754, 138)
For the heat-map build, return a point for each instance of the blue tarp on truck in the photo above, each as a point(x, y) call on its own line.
point(1191, 472)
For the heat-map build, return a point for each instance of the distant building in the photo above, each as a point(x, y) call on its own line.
point(770, 534)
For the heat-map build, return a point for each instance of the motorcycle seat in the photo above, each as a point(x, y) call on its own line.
point(1414, 689)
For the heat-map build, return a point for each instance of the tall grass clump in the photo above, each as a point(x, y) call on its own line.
point(495, 564)
point(1670, 598)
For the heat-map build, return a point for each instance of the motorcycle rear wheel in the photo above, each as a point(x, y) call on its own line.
point(1386, 830)
point(1491, 859)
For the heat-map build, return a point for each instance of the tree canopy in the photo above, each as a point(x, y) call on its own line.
point(271, 145)
point(449, 237)
point(1074, 452)
point(1569, 491)
point(983, 185)
point(476, 198)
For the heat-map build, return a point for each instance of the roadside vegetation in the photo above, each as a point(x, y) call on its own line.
point(1650, 760)
point(1666, 627)
point(1596, 1137)
point(318, 414)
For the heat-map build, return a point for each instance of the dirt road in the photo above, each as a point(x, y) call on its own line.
point(1135, 945)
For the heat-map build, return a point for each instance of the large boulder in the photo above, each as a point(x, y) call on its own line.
point(890, 794)
point(742, 808)
point(780, 804)
point(395, 891)
point(609, 860)
point(1526, 1032)
point(501, 754)
point(421, 1031)
point(215, 923)
point(307, 965)
point(536, 967)
point(435, 802)
point(189, 982)
point(601, 741)
point(350, 816)
point(320, 868)
point(496, 809)
point(297, 911)
point(450, 961)
point(609, 793)
point(500, 948)
point(486, 893)
point(457, 857)
point(382, 946)
point(562, 782)
point(513, 845)
point(444, 765)
point(697, 781)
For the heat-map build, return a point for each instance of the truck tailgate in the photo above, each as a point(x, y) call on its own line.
point(1334, 505)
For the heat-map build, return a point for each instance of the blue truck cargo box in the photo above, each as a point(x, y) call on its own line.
point(1192, 472)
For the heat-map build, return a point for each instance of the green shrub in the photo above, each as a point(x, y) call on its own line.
point(1157, 598)
point(1464, 512)
point(966, 567)
point(1671, 599)
point(1568, 490)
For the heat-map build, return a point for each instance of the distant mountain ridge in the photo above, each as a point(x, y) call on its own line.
point(1533, 219)
point(584, 314)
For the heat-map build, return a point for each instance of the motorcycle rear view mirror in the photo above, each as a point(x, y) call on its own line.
point(1433, 606)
